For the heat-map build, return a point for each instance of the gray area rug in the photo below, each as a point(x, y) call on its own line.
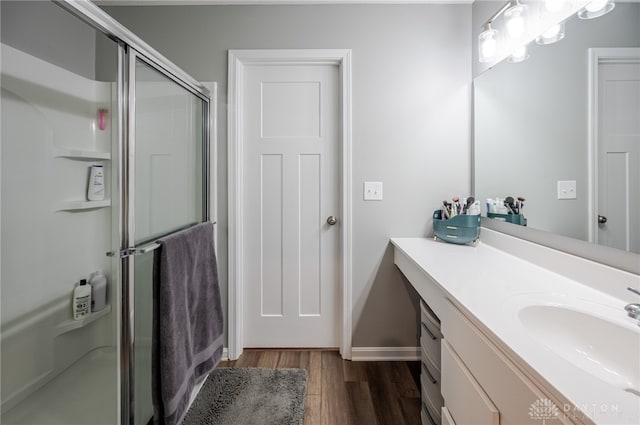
point(250, 396)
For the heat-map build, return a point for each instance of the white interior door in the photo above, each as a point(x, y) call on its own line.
point(619, 155)
point(290, 130)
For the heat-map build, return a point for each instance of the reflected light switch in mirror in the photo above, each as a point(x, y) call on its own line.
point(373, 191)
point(566, 189)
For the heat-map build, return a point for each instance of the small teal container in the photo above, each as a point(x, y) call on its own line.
point(461, 229)
point(518, 219)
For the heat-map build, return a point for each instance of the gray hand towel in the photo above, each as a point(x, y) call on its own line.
point(187, 319)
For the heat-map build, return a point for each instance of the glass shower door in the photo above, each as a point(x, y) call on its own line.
point(59, 119)
point(167, 194)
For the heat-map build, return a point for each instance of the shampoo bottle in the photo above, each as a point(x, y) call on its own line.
point(82, 300)
point(95, 191)
point(98, 282)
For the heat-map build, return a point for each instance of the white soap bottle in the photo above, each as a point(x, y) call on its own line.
point(82, 300)
point(98, 282)
point(95, 190)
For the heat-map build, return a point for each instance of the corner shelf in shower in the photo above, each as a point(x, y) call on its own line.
point(70, 325)
point(82, 154)
point(82, 205)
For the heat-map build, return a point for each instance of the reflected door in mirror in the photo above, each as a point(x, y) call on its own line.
point(618, 162)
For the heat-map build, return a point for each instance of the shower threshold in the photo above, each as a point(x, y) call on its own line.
point(84, 394)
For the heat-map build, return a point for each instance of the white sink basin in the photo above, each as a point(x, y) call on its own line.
point(607, 350)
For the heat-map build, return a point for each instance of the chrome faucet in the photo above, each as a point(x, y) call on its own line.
point(633, 310)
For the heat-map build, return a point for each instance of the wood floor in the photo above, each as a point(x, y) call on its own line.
point(341, 392)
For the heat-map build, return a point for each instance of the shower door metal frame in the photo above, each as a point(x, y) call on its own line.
point(130, 48)
point(128, 238)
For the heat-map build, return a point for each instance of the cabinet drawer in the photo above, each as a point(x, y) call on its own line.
point(431, 388)
point(430, 345)
point(432, 370)
point(430, 319)
point(429, 416)
point(464, 397)
point(430, 334)
point(424, 415)
point(446, 417)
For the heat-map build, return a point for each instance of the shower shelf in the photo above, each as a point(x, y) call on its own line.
point(70, 325)
point(82, 205)
point(82, 155)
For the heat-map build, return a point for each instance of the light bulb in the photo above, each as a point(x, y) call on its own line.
point(489, 48)
point(515, 21)
point(551, 32)
point(596, 8)
point(488, 44)
point(596, 5)
point(519, 55)
point(554, 5)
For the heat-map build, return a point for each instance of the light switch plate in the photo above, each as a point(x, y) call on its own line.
point(566, 189)
point(373, 191)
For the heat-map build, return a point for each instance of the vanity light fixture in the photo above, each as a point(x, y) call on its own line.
point(515, 18)
point(553, 34)
point(596, 8)
point(487, 44)
point(521, 54)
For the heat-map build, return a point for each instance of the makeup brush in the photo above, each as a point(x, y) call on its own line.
point(456, 205)
point(521, 200)
point(510, 204)
point(468, 203)
point(445, 209)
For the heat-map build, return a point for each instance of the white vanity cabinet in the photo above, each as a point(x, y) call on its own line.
point(466, 378)
point(485, 386)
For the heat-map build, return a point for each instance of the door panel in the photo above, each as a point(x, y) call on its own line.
point(310, 257)
point(619, 155)
point(290, 142)
point(271, 238)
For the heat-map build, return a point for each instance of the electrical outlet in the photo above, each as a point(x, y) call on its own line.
point(373, 191)
point(567, 189)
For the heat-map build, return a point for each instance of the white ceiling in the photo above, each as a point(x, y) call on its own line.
point(266, 2)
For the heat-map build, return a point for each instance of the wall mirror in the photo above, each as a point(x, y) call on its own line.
point(543, 121)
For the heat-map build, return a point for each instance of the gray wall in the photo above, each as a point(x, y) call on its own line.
point(531, 122)
point(411, 115)
point(46, 31)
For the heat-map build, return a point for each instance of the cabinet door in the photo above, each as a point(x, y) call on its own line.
point(466, 400)
point(512, 392)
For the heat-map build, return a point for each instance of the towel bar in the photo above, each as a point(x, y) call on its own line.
point(147, 248)
point(138, 251)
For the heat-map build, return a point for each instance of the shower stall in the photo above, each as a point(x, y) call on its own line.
point(78, 90)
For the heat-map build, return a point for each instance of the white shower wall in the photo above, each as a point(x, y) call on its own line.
point(49, 112)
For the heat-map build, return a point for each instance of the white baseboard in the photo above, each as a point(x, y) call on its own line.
point(225, 354)
point(369, 354)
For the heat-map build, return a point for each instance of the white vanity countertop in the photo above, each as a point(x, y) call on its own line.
point(493, 285)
